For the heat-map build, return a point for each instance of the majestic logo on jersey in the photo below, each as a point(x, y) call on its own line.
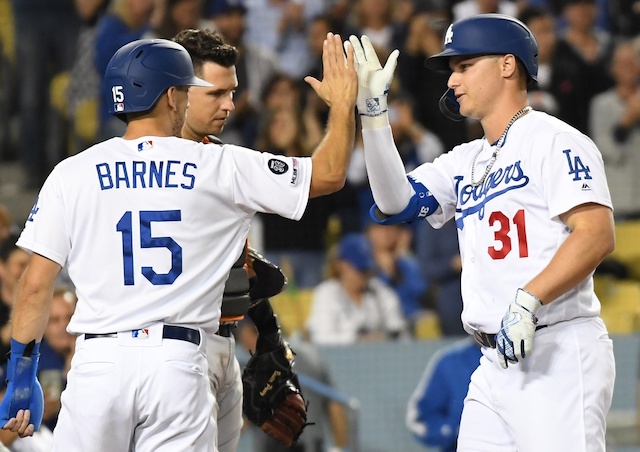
point(278, 166)
point(448, 36)
point(34, 210)
point(576, 167)
point(585, 187)
point(497, 183)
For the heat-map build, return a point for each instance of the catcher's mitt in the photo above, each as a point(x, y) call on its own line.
point(272, 398)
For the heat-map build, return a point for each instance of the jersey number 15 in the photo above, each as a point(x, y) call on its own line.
point(125, 226)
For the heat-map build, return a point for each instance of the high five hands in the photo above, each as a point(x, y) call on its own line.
point(339, 83)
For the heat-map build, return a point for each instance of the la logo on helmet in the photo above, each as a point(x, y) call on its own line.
point(448, 36)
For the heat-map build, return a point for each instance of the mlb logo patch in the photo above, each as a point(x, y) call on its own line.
point(118, 107)
point(145, 145)
point(142, 333)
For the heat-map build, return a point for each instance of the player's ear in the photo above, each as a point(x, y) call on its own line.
point(171, 97)
point(508, 65)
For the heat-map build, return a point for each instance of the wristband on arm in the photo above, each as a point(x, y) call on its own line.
point(421, 205)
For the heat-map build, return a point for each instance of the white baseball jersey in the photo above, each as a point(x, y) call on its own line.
point(509, 227)
point(149, 228)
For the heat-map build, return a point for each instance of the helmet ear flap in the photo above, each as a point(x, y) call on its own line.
point(449, 106)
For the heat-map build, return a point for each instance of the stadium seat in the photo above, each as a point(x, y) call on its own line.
point(627, 248)
point(292, 308)
point(427, 327)
point(620, 301)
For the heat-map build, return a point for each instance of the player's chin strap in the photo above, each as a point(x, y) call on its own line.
point(449, 106)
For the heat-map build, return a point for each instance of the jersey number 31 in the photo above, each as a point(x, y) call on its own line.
point(502, 234)
point(125, 226)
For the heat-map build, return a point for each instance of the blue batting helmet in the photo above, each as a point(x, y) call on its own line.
point(485, 34)
point(141, 71)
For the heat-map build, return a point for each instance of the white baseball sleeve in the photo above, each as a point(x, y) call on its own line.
point(389, 185)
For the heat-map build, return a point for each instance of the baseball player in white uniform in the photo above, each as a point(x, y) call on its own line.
point(149, 226)
point(215, 62)
point(534, 218)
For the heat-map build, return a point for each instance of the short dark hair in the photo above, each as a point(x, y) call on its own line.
point(206, 46)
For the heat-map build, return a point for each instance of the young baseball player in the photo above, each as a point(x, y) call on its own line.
point(215, 62)
point(149, 226)
point(533, 212)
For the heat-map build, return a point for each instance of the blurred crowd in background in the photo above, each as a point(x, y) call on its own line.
point(350, 280)
point(396, 282)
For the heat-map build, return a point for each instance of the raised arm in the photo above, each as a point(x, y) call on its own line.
point(389, 185)
point(338, 89)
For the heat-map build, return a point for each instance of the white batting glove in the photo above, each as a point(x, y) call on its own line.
point(373, 79)
point(515, 339)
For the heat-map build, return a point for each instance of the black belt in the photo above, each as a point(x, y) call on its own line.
point(225, 329)
point(179, 333)
point(489, 340)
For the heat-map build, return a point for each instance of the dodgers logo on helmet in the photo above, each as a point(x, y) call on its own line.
point(448, 36)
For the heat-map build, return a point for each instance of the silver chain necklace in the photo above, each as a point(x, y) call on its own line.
point(499, 144)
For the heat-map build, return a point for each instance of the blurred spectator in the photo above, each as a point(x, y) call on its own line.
point(339, 12)
point(13, 262)
point(300, 246)
point(468, 8)
point(282, 91)
point(398, 267)
point(352, 305)
point(324, 413)
point(615, 126)
point(543, 26)
point(255, 66)
point(439, 256)
point(56, 351)
point(424, 39)
point(6, 224)
point(281, 26)
point(46, 32)
point(605, 10)
point(625, 17)
point(435, 407)
point(415, 143)
point(8, 84)
point(83, 91)
point(124, 22)
point(580, 63)
point(374, 18)
point(180, 15)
